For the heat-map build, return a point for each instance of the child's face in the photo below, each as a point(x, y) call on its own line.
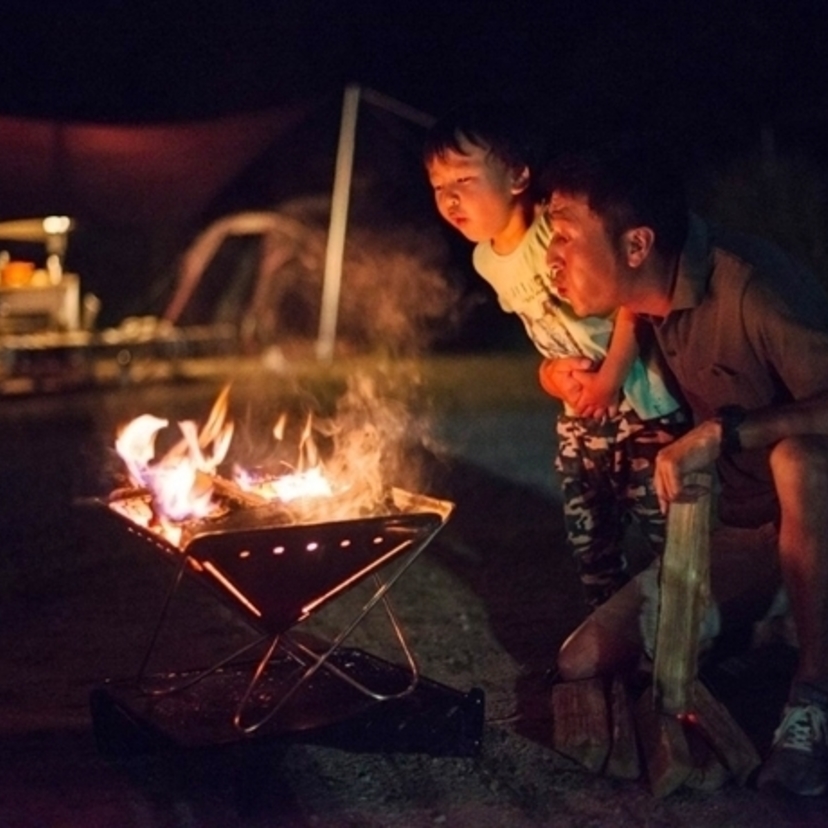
point(476, 192)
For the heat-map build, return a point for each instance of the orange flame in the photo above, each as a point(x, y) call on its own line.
point(307, 480)
point(344, 481)
point(180, 482)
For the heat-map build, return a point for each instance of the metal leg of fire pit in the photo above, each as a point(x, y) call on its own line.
point(322, 661)
point(308, 660)
point(192, 680)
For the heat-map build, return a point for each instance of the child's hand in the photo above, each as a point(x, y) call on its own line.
point(557, 377)
point(598, 398)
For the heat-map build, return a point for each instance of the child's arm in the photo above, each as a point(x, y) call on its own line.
point(601, 388)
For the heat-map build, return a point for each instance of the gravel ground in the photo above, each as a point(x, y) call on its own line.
point(485, 606)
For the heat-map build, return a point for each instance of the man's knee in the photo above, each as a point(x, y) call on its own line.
point(577, 658)
point(593, 650)
point(800, 464)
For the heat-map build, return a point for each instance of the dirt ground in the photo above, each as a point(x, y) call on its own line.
point(485, 607)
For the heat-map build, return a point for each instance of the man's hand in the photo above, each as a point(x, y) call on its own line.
point(557, 377)
point(695, 451)
point(599, 396)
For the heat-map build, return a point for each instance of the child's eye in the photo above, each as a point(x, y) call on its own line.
point(464, 180)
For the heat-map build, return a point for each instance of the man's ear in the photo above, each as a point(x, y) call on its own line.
point(637, 244)
point(520, 180)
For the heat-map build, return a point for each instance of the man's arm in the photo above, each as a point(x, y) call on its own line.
point(703, 445)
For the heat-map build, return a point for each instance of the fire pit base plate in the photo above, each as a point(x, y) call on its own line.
point(433, 719)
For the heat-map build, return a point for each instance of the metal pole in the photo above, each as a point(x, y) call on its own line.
point(338, 225)
point(395, 107)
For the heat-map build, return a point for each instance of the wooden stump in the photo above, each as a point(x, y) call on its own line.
point(581, 722)
point(664, 745)
point(724, 735)
point(605, 730)
point(709, 773)
point(624, 761)
point(686, 736)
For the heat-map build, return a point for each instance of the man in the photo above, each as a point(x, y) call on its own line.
point(745, 331)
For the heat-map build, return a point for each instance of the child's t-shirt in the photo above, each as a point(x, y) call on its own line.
point(523, 285)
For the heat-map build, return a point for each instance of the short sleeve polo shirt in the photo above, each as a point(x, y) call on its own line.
point(748, 326)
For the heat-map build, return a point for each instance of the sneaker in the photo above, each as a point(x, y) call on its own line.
point(798, 759)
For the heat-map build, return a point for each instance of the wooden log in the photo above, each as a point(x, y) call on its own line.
point(581, 722)
point(624, 761)
point(664, 745)
point(731, 744)
point(709, 773)
point(684, 596)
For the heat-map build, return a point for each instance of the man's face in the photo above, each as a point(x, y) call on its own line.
point(586, 266)
point(474, 191)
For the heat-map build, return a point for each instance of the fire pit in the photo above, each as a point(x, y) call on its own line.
point(274, 563)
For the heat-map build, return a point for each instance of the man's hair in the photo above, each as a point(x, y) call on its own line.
point(501, 128)
point(631, 182)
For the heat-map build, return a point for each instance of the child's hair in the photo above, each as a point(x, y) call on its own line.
point(501, 128)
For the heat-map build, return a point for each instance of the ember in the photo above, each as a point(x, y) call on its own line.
point(310, 483)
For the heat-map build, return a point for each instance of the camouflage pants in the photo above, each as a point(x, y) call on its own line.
point(606, 473)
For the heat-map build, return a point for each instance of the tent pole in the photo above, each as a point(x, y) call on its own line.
point(395, 107)
point(338, 224)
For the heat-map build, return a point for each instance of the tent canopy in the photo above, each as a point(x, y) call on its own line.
point(129, 175)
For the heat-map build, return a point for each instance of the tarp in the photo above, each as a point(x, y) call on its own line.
point(130, 175)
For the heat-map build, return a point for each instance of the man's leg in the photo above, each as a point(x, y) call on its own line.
point(610, 639)
point(744, 580)
point(799, 758)
point(800, 470)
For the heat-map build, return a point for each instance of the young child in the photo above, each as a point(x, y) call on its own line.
point(617, 409)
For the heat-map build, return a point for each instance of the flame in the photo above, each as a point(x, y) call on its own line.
point(307, 479)
point(180, 482)
point(286, 487)
point(325, 468)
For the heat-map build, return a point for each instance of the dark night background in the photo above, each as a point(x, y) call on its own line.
point(697, 67)
point(715, 78)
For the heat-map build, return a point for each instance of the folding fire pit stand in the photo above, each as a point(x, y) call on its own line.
point(300, 690)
